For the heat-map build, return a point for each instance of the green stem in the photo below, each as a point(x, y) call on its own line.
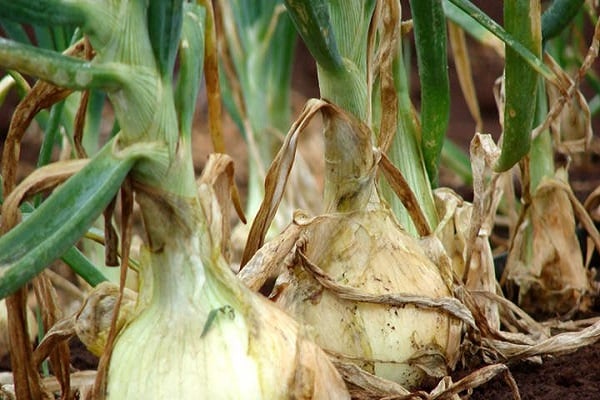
point(558, 16)
point(541, 156)
point(466, 22)
point(191, 61)
point(83, 267)
point(14, 31)
point(522, 20)
point(165, 18)
point(313, 23)
point(63, 218)
point(348, 183)
point(50, 137)
point(45, 12)
point(511, 42)
point(430, 39)
point(51, 134)
point(261, 42)
point(405, 153)
point(62, 70)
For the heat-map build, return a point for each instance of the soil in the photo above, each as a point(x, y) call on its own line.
point(565, 377)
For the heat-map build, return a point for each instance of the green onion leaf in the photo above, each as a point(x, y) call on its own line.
point(558, 16)
point(312, 21)
point(62, 219)
point(61, 70)
point(511, 42)
point(44, 12)
point(522, 21)
point(83, 267)
point(430, 38)
point(191, 61)
point(14, 31)
point(164, 28)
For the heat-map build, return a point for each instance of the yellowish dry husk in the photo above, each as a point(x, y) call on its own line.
point(370, 252)
point(92, 321)
point(550, 274)
point(198, 333)
point(453, 231)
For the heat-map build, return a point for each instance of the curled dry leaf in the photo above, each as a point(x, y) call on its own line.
point(569, 119)
point(92, 322)
point(41, 179)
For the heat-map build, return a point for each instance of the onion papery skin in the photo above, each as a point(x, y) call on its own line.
point(369, 251)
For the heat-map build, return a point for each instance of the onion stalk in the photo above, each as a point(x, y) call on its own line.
point(259, 42)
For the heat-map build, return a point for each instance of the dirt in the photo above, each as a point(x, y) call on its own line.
point(567, 377)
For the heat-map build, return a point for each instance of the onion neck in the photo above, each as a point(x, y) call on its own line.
point(183, 267)
point(349, 162)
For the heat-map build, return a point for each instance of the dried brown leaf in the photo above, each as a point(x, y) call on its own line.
point(111, 238)
point(271, 259)
point(475, 379)
point(42, 179)
point(59, 355)
point(372, 384)
point(218, 174)
point(400, 186)
point(453, 231)
point(448, 305)
point(61, 331)
point(211, 73)
point(276, 180)
point(390, 16)
point(42, 95)
point(27, 380)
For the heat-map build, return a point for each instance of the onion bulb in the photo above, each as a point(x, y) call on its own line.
point(197, 332)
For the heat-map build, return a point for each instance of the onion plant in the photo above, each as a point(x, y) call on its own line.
point(356, 242)
point(197, 319)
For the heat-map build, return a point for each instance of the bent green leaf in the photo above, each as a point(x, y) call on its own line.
point(62, 219)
